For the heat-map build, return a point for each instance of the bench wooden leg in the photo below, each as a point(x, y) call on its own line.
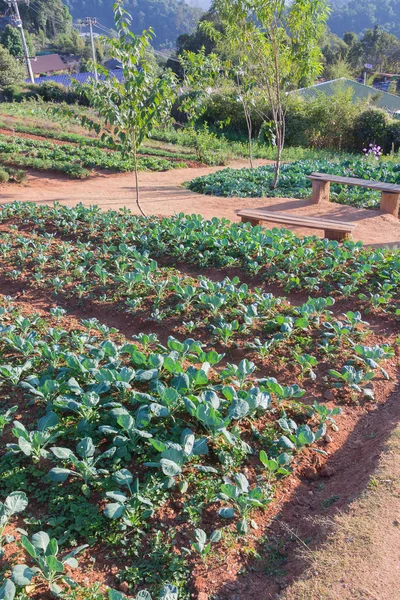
point(320, 191)
point(390, 203)
point(338, 236)
point(253, 222)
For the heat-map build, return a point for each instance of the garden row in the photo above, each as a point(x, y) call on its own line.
point(293, 182)
point(72, 160)
point(278, 256)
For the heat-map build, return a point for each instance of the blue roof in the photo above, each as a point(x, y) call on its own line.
point(68, 80)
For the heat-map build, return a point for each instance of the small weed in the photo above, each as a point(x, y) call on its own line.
point(328, 502)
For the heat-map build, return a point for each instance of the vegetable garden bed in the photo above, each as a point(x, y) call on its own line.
point(164, 414)
point(293, 183)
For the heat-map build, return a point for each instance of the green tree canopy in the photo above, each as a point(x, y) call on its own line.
point(11, 39)
point(11, 71)
point(48, 16)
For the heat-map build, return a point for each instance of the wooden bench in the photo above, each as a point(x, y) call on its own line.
point(321, 183)
point(334, 230)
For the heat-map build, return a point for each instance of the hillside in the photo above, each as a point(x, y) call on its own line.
point(168, 18)
point(358, 15)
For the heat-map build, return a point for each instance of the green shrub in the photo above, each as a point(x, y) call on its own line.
point(16, 175)
point(74, 171)
point(16, 93)
point(4, 176)
point(371, 127)
point(323, 121)
point(225, 112)
point(393, 136)
point(48, 91)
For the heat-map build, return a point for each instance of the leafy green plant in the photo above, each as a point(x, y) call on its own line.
point(298, 437)
point(6, 417)
point(371, 356)
point(307, 364)
point(352, 378)
point(48, 568)
point(168, 592)
point(84, 463)
point(244, 500)
point(34, 443)
point(325, 414)
point(275, 466)
point(15, 503)
point(174, 456)
point(200, 545)
point(132, 509)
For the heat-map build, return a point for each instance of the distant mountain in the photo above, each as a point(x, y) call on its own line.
point(358, 15)
point(168, 18)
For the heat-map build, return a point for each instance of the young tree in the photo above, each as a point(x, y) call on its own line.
point(132, 109)
point(281, 46)
point(201, 73)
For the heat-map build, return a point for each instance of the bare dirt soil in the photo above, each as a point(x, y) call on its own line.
point(164, 194)
point(361, 558)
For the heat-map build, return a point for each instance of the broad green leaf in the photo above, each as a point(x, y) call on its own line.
point(200, 536)
point(26, 544)
point(7, 590)
point(86, 448)
point(170, 468)
point(123, 477)
point(40, 540)
point(230, 490)
point(59, 475)
point(54, 564)
point(22, 575)
point(216, 536)
point(15, 503)
point(114, 510)
point(62, 453)
point(226, 513)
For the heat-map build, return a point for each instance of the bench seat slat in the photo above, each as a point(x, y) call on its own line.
point(375, 185)
point(297, 220)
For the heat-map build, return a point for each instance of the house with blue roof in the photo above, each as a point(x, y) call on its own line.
point(82, 78)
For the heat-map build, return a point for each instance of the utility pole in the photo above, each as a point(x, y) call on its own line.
point(18, 22)
point(92, 21)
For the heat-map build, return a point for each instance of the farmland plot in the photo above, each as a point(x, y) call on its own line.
point(161, 397)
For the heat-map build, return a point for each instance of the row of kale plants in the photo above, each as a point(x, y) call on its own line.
point(108, 243)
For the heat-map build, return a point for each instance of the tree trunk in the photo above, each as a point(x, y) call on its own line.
point(251, 151)
point(277, 167)
point(249, 132)
point(137, 183)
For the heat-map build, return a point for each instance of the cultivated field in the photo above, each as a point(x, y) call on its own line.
point(190, 399)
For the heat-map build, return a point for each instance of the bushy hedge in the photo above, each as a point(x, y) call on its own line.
point(329, 122)
point(49, 92)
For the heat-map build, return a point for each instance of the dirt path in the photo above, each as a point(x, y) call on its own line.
point(164, 194)
point(360, 561)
